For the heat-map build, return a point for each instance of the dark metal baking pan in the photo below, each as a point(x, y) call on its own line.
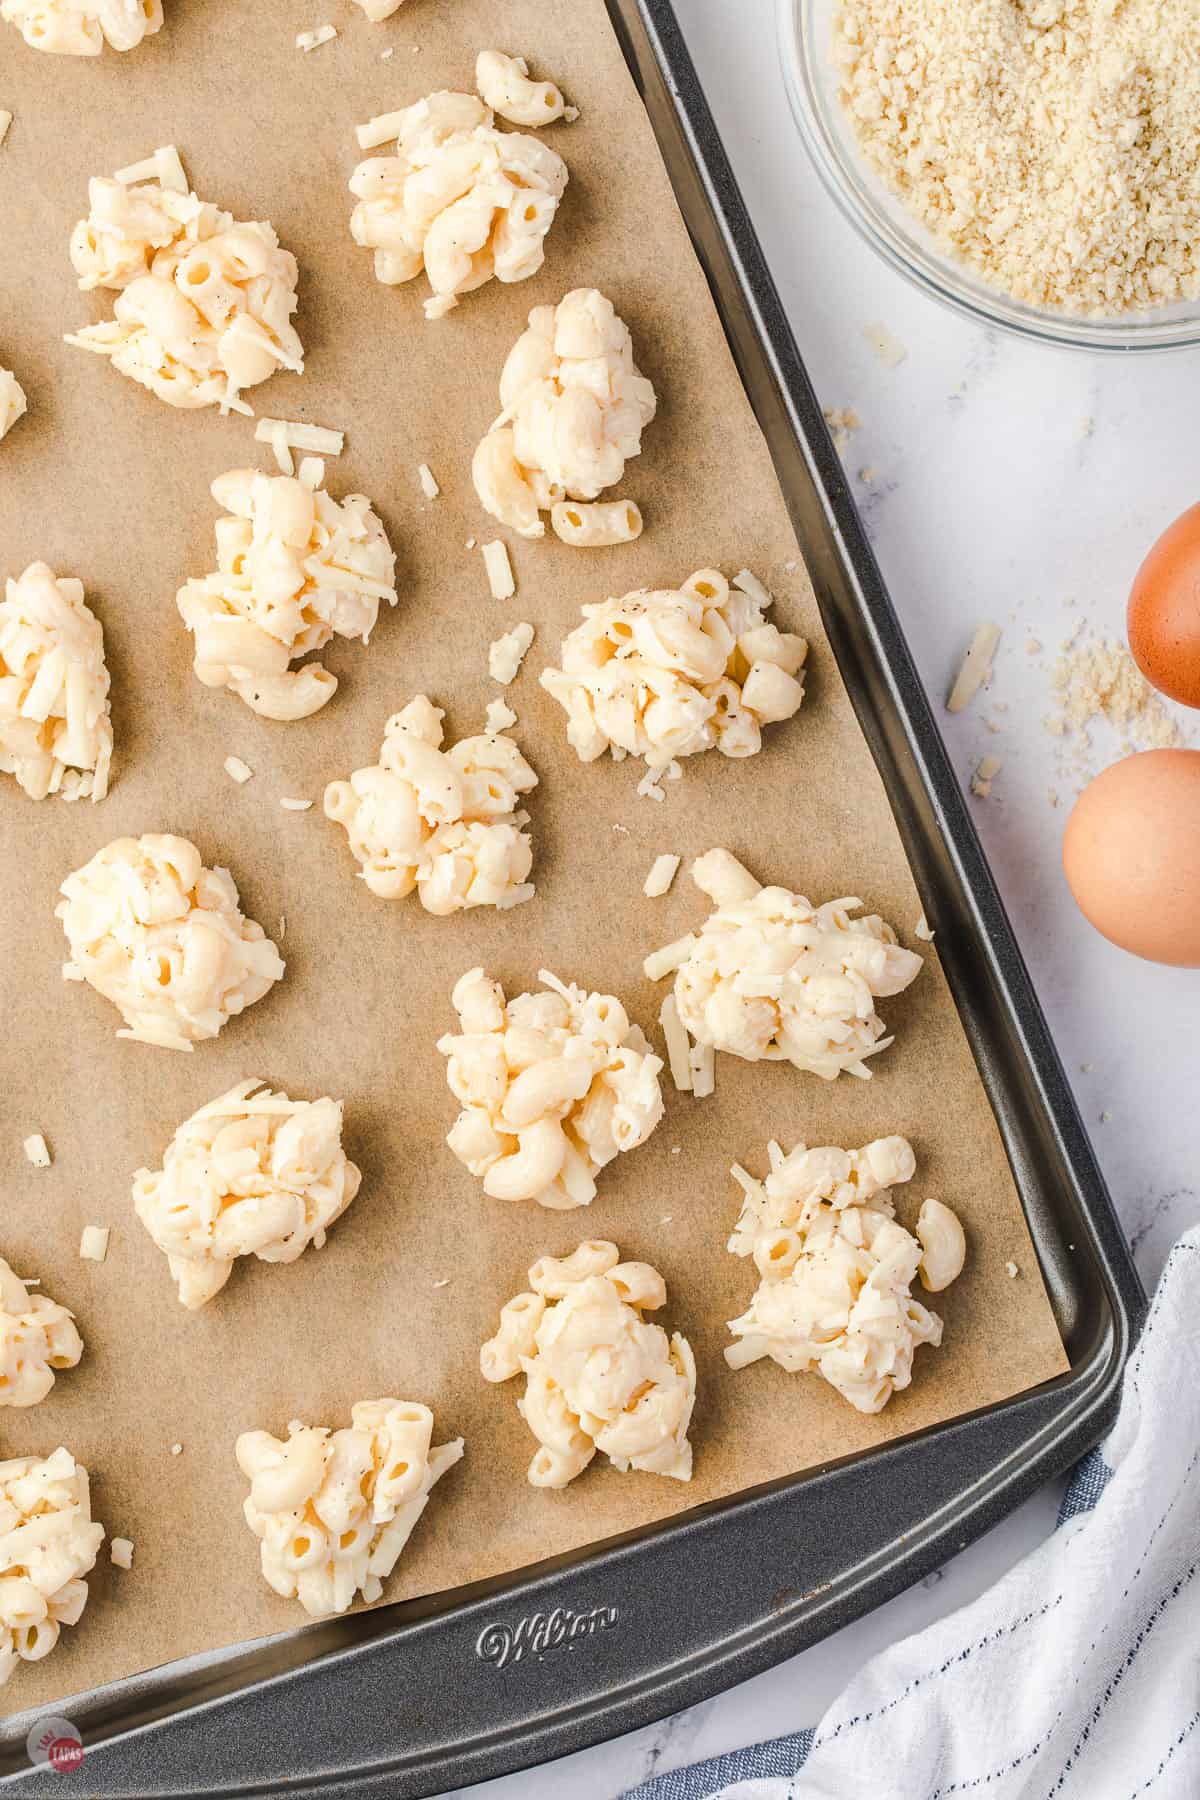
point(424, 1696)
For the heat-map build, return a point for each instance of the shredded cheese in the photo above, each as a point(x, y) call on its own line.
point(500, 716)
point(299, 436)
point(312, 40)
point(499, 570)
point(36, 1151)
point(121, 1552)
point(237, 770)
point(976, 667)
point(290, 805)
point(506, 655)
point(93, 1245)
point(679, 1050)
point(662, 874)
point(428, 481)
point(6, 120)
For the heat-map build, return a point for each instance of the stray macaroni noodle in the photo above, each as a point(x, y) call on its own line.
point(507, 653)
point(294, 567)
point(334, 1509)
point(836, 1268)
point(499, 570)
point(13, 404)
point(378, 10)
point(48, 1544)
point(442, 821)
point(598, 1376)
point(504, 84)
point(205, 301)
point(771, 976)
point(665, 673)
point(553, 1086)
point(459, 199)
point(165, 940)
point(55, 730)
point(594, 525)
point(253, 1173)
point(83, 27)
point(574, 408)
point(37, 1337)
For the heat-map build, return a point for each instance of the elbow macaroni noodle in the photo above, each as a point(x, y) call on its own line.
point(333, 1510)
point(553, 1087)
point(13, 403)
point(253, 1173)
point(835, 1268)
point(48, 1543)
point(165, 940)
point(442, 821)
point(55, 731)
point(771, 976)
point(83, 27)
point(598, 1376)
point(294, 567)
point(665, 673)
point(574, 409)
point(459, 199)
point(37, 1336)
point(504, 84)
point(205, 301)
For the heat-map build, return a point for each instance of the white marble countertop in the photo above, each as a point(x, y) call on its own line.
point(1012, 482)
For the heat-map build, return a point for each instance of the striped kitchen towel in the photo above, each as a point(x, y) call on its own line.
point(1077, 1677)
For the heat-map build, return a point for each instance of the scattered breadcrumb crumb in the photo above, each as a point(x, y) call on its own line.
point(93, 1244)
point(1085, 1068)
point(237, 769)
point(841, 420)
point(312, 40)
point(37, 1151)
point(1052, 796)
point(621, 830)
point(500, 716)
point(384, 54)
point(1101, 681)
point(921, 929)
point(888, 348)
point(471, 543)
point(985, 774)
point(1011, 1270)
point(428, 481)
point(976, 666)
point(6, 120)
point(1033, 646)
point(662, 873)
point(499, 570)
point(121, 1552)
point(866, 476)
point(666, 1218)
point(676, 1149)
point(507, 653)
point(290, 805)
point(1086, 426)
point(1105, 1117)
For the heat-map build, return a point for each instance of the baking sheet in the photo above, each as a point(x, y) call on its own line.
point(105, 482)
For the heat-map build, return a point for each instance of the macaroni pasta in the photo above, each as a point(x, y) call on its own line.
point(294, 567)
point(13, 403)
point(664, 673)
point(165, 940)
point(48, 1543)
point(574, 409)
point(204, 303)
point(333, 1510)
point(442, 821)
point(83, 27)
point(55, 731)
point(553, 1087)
point(37, 1337)
point(836, 1268)
point(458, 199)
point(251, 1174)
point(598, 1376)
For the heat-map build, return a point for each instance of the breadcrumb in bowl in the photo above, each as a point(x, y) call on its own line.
point(895, 233)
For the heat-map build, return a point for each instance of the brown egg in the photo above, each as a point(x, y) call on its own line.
point(1164, 611)
point(1132, 855)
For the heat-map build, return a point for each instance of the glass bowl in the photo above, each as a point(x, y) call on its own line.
point(805, 34)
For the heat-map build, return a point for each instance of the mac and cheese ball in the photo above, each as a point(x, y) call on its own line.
point(459, 199)
point(836, 1268)
point(48, 1543)
point(37, 1337)
point(553, 1086)
point(294, 568)
point(771, 976)
point(55, 730)
point(165, 940)
point(83, 27)
point(334, 1509)
point(574, 409)
point(667, 673)
point(251, 1174)
point(443, 821)
point(205, 301)
point(598, 1376)
point(13, 404)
